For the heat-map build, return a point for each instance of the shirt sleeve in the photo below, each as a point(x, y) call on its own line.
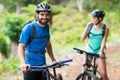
point(25, 34)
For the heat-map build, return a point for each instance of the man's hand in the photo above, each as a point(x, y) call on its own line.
point(54, 61)
point(23, 67)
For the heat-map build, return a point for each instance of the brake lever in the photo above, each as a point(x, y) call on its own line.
point(66, 64)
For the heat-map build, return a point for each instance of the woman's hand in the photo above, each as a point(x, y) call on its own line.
point(101, 54)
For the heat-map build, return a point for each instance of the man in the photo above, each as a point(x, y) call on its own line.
point(97, 34)
point(32, 53)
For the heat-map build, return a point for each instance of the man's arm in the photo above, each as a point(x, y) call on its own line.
point(21, 50)
point(49, 50)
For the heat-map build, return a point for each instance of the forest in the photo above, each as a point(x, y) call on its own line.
point(68, 20)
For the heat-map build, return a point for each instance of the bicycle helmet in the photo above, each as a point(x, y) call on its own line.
point(98, 13)
point(43, 7)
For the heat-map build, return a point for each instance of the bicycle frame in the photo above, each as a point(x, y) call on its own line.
point(49, 75)
point(88, 63)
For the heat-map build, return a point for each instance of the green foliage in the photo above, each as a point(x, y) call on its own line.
point(9, 65)
point(2, 24)
point(14, 24)
point(70, 25)
point(29, 10)
point(113, 20)
point(1, 8)
point(101, 4)
point(11, 5)
point(4, 45)
point(67, 27)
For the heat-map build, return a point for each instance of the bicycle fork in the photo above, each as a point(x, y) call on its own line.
point(52, 76)
point(47, 75)
point(54, 72)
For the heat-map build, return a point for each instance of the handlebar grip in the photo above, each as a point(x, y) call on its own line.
point(79, 50)
point(65, 61)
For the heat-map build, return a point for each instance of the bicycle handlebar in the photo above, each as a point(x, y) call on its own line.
point(65, 61)
point(54, 65)
point(87, 53)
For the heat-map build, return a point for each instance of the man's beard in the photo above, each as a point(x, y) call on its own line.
point(43, 22)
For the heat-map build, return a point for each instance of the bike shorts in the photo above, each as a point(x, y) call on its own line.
point(89, 56)
point(38, 75)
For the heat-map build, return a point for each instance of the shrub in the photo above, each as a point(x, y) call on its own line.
point(14, 24)
point(4, 45)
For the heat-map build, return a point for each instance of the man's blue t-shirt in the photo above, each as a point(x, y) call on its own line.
point(35, 50)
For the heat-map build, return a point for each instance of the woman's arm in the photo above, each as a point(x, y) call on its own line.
point(85, 32)
point(103, 44)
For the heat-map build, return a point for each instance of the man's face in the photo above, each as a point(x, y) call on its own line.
point(43, 17)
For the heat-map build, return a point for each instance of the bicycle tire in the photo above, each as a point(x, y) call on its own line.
point(81, 76)
point(59, 77)
point(99, 78)
point(89, 75)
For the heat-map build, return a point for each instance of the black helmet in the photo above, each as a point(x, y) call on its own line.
point(98, 13)
point(43, 7)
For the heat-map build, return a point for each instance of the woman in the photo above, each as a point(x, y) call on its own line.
point(97, 33)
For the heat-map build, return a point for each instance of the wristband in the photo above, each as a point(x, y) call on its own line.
point(53, 60)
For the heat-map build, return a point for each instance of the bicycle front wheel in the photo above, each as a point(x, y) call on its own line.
point(86, 76)
point(59, 76)
point(91, 76)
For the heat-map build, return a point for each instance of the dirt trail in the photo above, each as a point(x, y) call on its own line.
point(74, 68)
point(113, 64)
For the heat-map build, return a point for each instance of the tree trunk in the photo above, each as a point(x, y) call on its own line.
point(13, 50)
point(79, 3)
point(37, 2)
point(18, 8)
point(2, 57)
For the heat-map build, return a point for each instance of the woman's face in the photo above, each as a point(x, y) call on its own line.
point(95, 20)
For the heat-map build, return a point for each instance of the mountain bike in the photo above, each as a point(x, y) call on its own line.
point(50, 75)
point(90, 73)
